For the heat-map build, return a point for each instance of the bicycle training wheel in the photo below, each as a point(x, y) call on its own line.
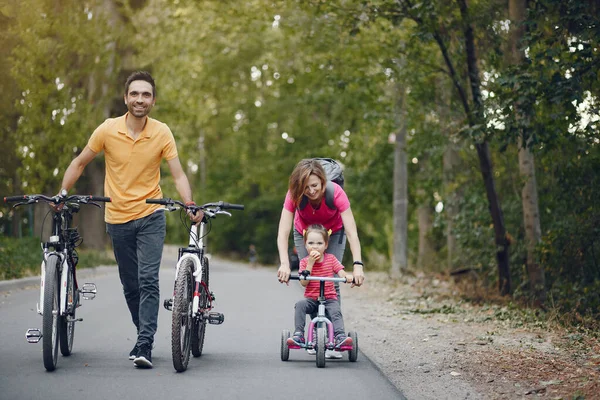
point(353, 354)
point(50, 325)
point(321, 340)
point(285, 349)
point(199, 327)
point(181, 322)
point(67, 327)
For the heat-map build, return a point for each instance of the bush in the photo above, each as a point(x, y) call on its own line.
point(21, 257)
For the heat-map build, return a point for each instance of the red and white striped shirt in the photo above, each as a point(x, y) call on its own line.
point(327, 268)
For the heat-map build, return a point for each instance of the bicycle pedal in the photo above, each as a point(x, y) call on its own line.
point(88, 291)
point(33, 335)
point(69, 319)
point(215, 318)
point(212, 296)
point(168, 304)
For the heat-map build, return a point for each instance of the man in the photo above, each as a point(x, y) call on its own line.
point(134, 145)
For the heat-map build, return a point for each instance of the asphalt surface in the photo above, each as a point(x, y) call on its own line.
point(241, 358)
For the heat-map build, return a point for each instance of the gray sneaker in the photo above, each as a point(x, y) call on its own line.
point(333, 354)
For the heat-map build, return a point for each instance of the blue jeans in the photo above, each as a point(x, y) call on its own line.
point(138, 247)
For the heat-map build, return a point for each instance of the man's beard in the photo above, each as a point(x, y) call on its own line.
point(139, 113)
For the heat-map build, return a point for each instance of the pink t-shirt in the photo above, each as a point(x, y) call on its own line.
point(328, 267)
point(323, 215)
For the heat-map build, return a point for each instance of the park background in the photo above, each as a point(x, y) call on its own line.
point(468, 130)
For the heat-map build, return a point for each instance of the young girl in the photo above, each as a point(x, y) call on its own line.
point(319, 263)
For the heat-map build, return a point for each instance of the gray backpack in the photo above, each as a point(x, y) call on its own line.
point(334, 173)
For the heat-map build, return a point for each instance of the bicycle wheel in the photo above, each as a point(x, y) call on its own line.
point(181, 322)
point(50, 325)
point(285, 349)
point(321, 340)
point(67, 321)
point(353, 354)
point(199, 328)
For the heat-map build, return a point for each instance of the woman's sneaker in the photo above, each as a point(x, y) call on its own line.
point(333, 354)
point(297, 339)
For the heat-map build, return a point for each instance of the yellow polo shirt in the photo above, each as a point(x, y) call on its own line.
point(132, 166)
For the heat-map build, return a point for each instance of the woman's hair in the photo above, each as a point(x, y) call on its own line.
point(299, 177)
point(319, 229)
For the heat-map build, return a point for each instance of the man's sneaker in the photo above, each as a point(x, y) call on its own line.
point(144, 357)
point(134, 352)
point(333, 354)
point(342, 340)
point(297, 339)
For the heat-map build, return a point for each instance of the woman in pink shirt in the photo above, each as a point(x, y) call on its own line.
point(308, 181)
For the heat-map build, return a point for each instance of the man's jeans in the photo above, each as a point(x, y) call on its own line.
point(138, 247)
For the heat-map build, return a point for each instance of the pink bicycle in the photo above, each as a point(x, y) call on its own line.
point(323, 327)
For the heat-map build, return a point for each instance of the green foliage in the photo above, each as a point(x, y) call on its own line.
point(19, 257)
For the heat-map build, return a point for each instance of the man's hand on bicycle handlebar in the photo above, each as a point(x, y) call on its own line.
point(58, 206)
point(196, 216)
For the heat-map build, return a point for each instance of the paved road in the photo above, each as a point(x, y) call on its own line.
point(240, 360)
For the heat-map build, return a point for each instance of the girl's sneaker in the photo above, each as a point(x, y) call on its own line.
point(297, 339)
point(342, 340)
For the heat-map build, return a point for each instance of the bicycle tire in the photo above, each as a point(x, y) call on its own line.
point(50, 325)
point(67, 328)
point(353, 354)
point(321, 340)
point(181, 322)
point(285, 349)
point(199, 328)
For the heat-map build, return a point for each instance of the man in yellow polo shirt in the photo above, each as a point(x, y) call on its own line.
point(134, 146)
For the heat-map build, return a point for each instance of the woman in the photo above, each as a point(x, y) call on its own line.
point(308, 180)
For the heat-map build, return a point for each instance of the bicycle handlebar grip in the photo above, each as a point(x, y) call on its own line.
point(294, 278)
point(233, 206)
point(12, 199)
point(102, 199)
point(157, 201)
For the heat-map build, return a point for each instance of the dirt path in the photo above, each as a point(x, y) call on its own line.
point(433, 346)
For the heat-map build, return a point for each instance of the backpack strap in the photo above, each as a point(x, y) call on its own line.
point(329, 191)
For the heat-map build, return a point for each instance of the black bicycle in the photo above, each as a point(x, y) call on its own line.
point(59, 290)
point(192, 299)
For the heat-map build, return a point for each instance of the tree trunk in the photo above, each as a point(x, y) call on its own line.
point(450, 167)
point(485, 163)
point(400, 242)
point(425, 259)
point(451, 161)
point(531, 216)
point(91, 219)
